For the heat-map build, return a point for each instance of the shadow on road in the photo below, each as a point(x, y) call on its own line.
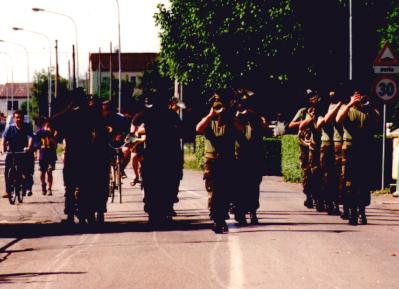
point(192, 220)
point(24, 231)
point(26, 277)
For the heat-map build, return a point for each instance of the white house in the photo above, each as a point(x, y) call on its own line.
point(12, 95)
point(133, 65)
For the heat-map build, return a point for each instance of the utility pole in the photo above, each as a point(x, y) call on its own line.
point(110, 71)
point(350, 42)
point(89, 85)
point(73, 68)
point(69, 75)
point(56, 89)
point(99, 72)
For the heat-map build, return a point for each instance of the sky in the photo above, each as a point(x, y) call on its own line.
point(96, 25)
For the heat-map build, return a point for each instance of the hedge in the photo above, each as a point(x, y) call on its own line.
point(290, 162)
point(200, 150)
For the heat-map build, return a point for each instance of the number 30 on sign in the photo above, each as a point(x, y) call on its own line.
point(385, 87)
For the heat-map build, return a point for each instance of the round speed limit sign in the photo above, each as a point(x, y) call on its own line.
point(386, 87)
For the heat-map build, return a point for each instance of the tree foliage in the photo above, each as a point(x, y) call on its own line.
point(390, 31)
point(39, 105)
point(276, 48)
point(220, 44)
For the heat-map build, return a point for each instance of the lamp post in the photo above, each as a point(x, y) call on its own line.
point(76, 34)
point(49, 68)
point(350, 42)
point(12, 80)
point(119, 59)
point(28, 75)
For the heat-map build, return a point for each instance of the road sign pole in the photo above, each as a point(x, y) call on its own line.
point(396, 193)
point(383, 148)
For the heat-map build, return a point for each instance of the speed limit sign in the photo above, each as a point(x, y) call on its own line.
point(385, 87)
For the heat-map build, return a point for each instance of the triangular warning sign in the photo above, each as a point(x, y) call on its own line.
point(386, 57)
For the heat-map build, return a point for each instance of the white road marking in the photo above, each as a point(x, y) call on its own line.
point(236, 265)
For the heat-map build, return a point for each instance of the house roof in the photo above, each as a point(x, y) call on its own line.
point(131, 62)
point(18, 88)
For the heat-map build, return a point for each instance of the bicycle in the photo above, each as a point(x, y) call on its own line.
point(15, 179)
point(115, 180)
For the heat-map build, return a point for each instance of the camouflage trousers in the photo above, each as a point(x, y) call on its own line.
point(219, 176)
point(329, 173)
point(356, 187)
point(339, 169)
point(304, 158)
point(310, 164)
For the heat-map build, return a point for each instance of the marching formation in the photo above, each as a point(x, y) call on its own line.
point(334, 135)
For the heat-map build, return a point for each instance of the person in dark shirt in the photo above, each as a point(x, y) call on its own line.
point(74, 129)
point(162, 165)
point(18, 138)
point(47, 155)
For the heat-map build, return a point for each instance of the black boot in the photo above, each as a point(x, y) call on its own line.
point(70, 220)
point(218, 227)
point(362, 216)
point(240, 218)
point(345, 213)
point(308, 203)
point(353, 216)
point(333, 209)
point(100, 218)
point(320, 206)
point(254, 218)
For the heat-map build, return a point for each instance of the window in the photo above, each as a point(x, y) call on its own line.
point(15, 105)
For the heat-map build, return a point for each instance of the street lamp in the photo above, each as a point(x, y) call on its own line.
point(49, 68)
point(12, 80)
point(76, 34)
point(27, 63)
point(119, 59)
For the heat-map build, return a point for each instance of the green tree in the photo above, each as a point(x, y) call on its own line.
point(390, 31)
point(39, 92)
point(219, 44)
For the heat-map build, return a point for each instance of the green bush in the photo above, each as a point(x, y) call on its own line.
point(290, 162)
point(200, 150)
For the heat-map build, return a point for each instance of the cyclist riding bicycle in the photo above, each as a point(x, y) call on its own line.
point(18, 138)
point(118, 127)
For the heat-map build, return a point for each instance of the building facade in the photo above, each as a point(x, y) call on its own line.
point(132, 64)
point(12, 95)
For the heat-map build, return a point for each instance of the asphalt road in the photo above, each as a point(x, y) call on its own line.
point(292, 247)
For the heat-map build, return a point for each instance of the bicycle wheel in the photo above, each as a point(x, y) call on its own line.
point(119, 181)
point(20, 195)
point(111, 192)
point(12, 193)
